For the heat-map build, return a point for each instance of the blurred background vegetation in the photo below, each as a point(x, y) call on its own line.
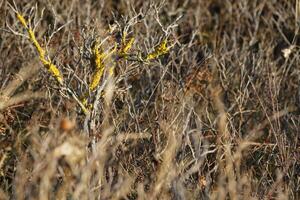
point(215, 117)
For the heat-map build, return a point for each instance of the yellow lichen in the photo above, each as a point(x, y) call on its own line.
point(127, 46)
point(99, 57)
point(111, 71)
point(99, 66)
point(96, 79)
point(47, 64)
point(22, 20)
point(160, 50)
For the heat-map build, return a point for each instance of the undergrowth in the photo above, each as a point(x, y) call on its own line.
point(149, 100)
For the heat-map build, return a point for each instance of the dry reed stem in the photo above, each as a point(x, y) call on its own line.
point(7, 99)
point(23, 75)
point(297, 8)
point(21, 97)
point(224, 145)
point(167, 170)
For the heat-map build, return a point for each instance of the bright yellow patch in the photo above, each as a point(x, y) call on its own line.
point(160, 50)
point(47, 64)
point(126, 46)
point(99, 62)
point(96, 79)
point(22, 20)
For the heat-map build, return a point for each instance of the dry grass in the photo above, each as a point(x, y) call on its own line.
point(165, 100)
